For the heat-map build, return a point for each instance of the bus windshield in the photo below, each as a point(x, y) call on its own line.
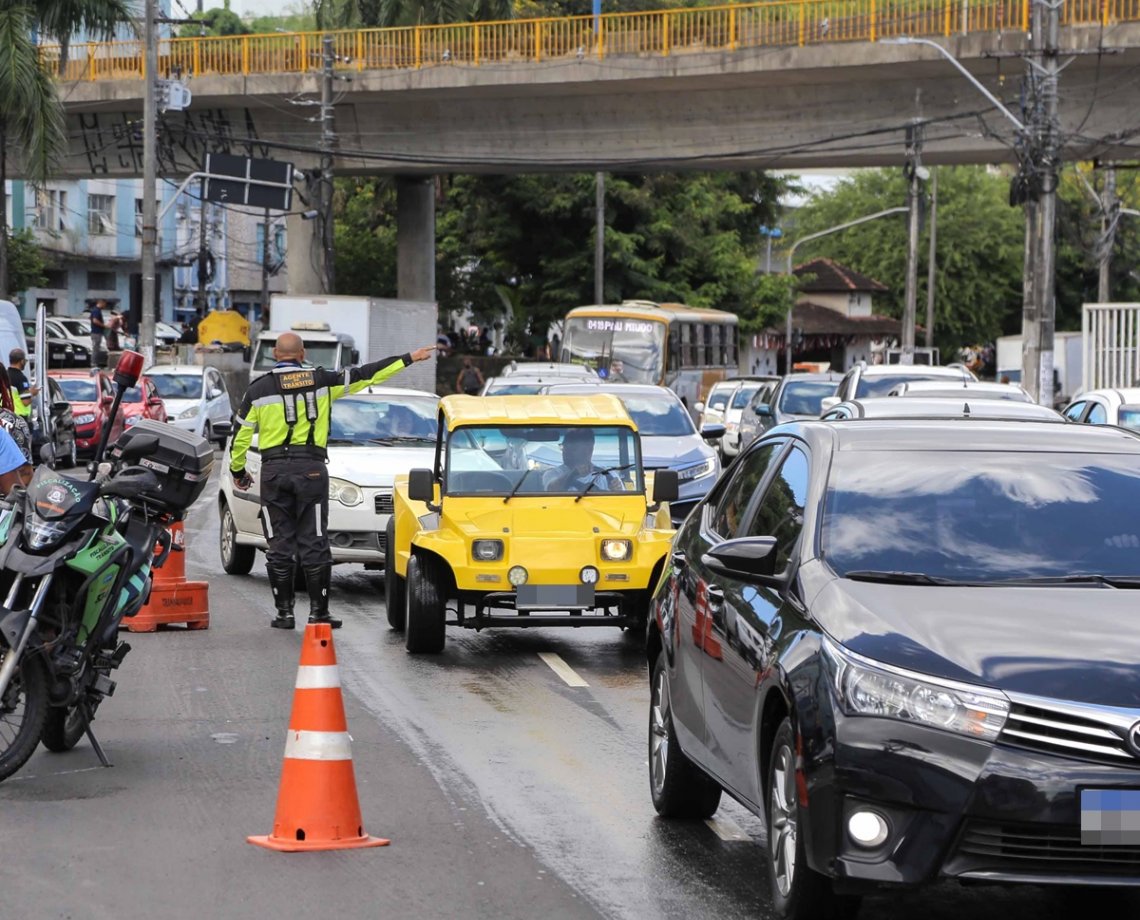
point(621, 349)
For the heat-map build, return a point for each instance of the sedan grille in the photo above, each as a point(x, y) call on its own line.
point(384, 503)
point(1069, 734)
point(1053, 849)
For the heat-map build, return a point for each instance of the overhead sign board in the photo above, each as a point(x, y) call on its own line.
point(245, 181)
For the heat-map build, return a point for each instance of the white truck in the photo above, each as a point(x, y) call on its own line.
point(1068, 359)
point(342, 330)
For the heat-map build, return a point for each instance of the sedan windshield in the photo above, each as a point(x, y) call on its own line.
point(805, 397)
point(78, 389)
point(743, 396)
point(178, 386)
point(881, 386)
point(515, 460)
point(718, 399)
point(658, 416)
point(981, 516)
point(359, 420)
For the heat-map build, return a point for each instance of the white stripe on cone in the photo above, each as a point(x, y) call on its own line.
point(302, 745)
point(318, 677)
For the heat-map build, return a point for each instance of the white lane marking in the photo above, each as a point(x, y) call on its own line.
point(562, 669)
point(317, 677)
point(303, 745)
point(727, 829)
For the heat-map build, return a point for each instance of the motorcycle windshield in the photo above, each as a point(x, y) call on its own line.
point(54, 495)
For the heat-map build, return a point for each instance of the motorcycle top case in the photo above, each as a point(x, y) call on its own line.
point(182, 462)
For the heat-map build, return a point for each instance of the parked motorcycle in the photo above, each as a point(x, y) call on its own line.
point(76, 556)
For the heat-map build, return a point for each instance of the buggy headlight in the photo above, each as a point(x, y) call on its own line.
point(616, 550)
point(487, 550)
point(866, 688)
point(40, 533)
point(517, 575)
point(345, 492)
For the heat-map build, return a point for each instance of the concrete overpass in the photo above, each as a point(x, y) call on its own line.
point(773, 85)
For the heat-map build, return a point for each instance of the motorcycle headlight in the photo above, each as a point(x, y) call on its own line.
point(865, 688)
point(697, 470)
point(86, 419)
point(616, 550)
point(345, 492)
point(40, 533)
point(487, 550)
point(192, 412)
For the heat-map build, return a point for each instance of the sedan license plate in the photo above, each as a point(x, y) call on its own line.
point(554, 597)
point(1110, 817)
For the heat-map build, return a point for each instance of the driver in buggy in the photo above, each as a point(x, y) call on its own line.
point(578, 471)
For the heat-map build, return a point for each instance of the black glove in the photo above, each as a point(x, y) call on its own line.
point(242, 479)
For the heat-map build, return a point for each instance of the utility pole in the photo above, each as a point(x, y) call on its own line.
point(150, 179)
point(932, 260)
point(265, 265)
point(599, 237)
point(328, 145)
point(1038, 326)
point(1109, 216)
point(203, 253)
point(914, 203)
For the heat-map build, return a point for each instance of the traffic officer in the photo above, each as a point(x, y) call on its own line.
point(289, 408)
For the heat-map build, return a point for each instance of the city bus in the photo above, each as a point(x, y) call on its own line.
point(684, 348)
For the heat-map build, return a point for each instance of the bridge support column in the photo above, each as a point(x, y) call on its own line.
point(415, 238)
point(303, 256)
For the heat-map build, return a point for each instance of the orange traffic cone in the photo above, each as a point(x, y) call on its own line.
point(173, 599)
point(317, 807)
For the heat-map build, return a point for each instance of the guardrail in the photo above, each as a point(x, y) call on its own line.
point(782, 23)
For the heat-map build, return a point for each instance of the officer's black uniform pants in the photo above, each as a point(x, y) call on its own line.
point(295, 511)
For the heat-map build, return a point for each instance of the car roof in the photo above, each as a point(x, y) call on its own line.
point(1124, 395)
point(175, 369)
point(817, 376)
point(76, 372)
point(649, 309)
point(928, 407)
point(392, 391)
point(546, 368)
point(946, 435)
point(936, 370)
point(617, 389)
point(593, 409)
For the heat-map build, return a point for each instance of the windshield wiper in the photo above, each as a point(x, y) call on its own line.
point(342, 441)
point(594, 479)
point(516, 486)
point(402, 439)
point(1077, 578)
point(898, 578)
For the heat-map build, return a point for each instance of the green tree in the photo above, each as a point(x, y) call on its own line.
point(220, 20)
point(365, 228)
point(26, 262)
point(980, 248)
point(339, 14)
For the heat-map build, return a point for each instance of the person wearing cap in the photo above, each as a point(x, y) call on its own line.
point(578, 471)
point(289, 408)
point(22, 389)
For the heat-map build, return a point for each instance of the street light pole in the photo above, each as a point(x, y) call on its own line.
point(932, 261)
point(815, 236)
point(914, 192)
point(150, 179)
point(599, 238)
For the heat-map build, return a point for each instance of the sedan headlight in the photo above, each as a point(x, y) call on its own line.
point(345, 492)
point(616, 550)
point(487, 550)
point(40, 533)
point(866, 688)
point(86, 419)
point(192, 412)
point(132, 420)
point(697, 470)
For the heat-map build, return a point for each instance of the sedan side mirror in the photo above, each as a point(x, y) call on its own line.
point(666, 486)
point(421, 486)
point(745, 559)
point(60, 405)
point(829, 402)
point(213, 393)
point(699, 407)
point(763, 410)
point(713, 432)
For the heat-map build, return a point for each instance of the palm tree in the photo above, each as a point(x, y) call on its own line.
point(343, 14)
point(32, 124)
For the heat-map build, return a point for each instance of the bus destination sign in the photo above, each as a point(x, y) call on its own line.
point(642, 327)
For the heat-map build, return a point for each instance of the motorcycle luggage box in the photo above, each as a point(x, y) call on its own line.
point(182, 462)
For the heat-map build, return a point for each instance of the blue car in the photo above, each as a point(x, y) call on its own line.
point(669, 439)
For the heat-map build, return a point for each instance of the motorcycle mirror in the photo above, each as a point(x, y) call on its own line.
point(129, 368)
point(139, 447)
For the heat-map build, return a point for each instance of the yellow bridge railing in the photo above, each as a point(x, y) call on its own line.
point(773, 24)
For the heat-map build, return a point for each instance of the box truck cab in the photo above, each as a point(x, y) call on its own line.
point(323, 348)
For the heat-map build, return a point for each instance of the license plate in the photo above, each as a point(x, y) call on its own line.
point(555, 597)
point(1110, 817)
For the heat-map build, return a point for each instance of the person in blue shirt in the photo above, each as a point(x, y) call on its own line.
point(14, 467)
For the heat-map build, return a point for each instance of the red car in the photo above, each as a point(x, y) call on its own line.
point(90, 393)
point(141, 402)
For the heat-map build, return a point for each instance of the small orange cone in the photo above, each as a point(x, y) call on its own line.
point(173, 599)
point(317, 807)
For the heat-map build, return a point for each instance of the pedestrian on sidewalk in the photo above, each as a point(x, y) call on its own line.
point(98, 331)
point(289, 409)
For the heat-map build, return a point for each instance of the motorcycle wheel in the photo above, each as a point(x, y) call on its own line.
point(63, 728)
point(22, 713)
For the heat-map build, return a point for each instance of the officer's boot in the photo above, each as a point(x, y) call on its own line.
point(317, 577)
point(281, 583)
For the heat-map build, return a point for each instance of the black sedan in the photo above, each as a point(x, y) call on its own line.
point(910, 646)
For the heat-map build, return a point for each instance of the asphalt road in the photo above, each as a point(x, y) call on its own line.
point(512, 784)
